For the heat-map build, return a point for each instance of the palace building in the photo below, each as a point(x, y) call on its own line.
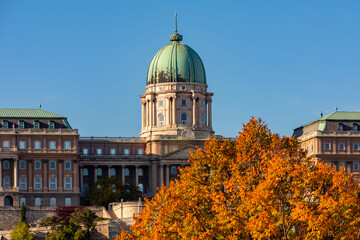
point(333, 139)
point(44, 161)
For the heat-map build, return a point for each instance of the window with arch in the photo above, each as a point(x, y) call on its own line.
point(356, 166)
point(22, 201)
point(141, 187)
point(67, 202)
point(127, 172)
point(173, 170)
point(67, 165)
point(67, 184)
point(161, 119)
point(183, 119)
point(113, 172)
point(6, 165)
point(6, 182)
point(342, 166)
point(99, 172)
point(85, 172)
point(22, 164)
point(141, 172)
point(202, 122)
point(52, 165)
point(37, 183)
point(37, 165)
point(22, 181)
point(38, 202)
point(52, 183)
point(52, 202)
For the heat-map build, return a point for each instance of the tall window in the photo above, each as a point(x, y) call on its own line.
point(141, 172)
point(342, 166)
point(37, 183)
point(183, 119)
point(183, 102)
point(173, 170)
point(37, 165)
point(99, 172)
point(161, 119)
point(22, 201)
point(341, 146)
point(202, 122)
point(127, 172)
point(85, 172)
point(37, 145)
point(67, 183)
point(6, 165)
point(327, 146)
point(355, 127)
point(52, 183)
point(85, 151)
point(5, 124)
point(52, 145)
point(38, 202)
point(356, 166)
point(52, 165)
point(22, 165)
point(6, 144)
point(6, 182)
point(112, 172)
point(21, 124)
point(52, 202)
point(356, 146)
point(85, 187)
point(67, 145)
point(22, 145)
point(67, 165)
point(22, 181)
point(99, 151)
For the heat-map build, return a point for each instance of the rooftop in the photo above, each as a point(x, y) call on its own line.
point(27, 113)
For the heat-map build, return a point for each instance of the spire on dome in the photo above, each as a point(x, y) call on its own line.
point(176, 37)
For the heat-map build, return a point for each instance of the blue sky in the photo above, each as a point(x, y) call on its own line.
point(283, 61)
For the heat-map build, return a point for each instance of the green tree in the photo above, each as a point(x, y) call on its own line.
point(21, 232)
point(109, 190)
point(85, 218)
point(23, 213)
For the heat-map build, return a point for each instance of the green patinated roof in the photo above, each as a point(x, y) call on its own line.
point(337, 116)
point(27, 113)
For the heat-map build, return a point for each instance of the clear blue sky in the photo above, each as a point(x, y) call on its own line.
point(283, 61)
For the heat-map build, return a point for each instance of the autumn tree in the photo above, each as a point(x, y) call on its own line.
point(261, 186)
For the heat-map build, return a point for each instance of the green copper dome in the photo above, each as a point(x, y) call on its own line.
point(176, 62)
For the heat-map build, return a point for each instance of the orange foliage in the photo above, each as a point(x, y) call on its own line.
point(260, 187)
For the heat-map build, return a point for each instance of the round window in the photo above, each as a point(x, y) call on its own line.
point(183, 87)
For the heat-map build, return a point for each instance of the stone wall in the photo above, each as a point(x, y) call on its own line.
point(126, 209)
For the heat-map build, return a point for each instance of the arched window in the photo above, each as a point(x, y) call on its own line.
point(52, 202)
point(113, 172)
point(99, 172)
point(161, 119)
point(141, 172)
point(22, 181)
point(52, 183)
point(52, 165)
point(22, 164)
point(85, 172)
point(356, 166)
point(22, 201)
point(67, 165)
point(342, 166)
point(67, 202)
point(173, 170)
point(6, 165)
point(8, 201)
point(127, 172)
point(67, 183)
point(202, 123)
point(183, 119)
point(37, 165)
point(141, 187)
point(6, 182)
point(38, 202)
point(37, 183)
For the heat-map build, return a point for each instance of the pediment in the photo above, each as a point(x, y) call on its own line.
point(180, 154)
